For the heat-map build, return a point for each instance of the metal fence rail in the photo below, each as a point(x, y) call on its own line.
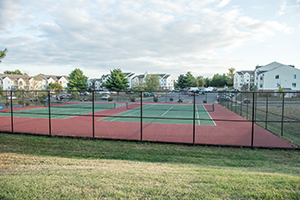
point(277, 112)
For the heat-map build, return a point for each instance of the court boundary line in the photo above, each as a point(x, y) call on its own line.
point(210, 116)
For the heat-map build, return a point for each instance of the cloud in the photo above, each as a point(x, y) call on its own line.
point(282, 8)
point(154, 36)
point(223, 3)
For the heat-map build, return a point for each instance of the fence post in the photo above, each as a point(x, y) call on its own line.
point(11, 113)
point(93, 105)
point(267, 109)
point(49, 110)
point(142, 117)
point(253, 110)
point(194, 119)
point(235, 102)
point(282, 116)
point(241, 109)
point(247, 107)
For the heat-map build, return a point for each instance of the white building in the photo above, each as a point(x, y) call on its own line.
point(166, 81)
point(269, 77)
point(62, 80)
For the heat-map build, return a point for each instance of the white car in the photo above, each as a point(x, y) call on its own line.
point(13, 97)
point(105, 97)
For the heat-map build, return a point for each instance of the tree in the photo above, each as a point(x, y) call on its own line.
point(3, 54)
point(152, 82)
point(1, 91)
point(18, 72)
point(230, 75)
point(219, 80)
point(140, 85)
point(77, 80)
point(54, 86)
point(191, 81)
point(116, 81)
point(182, 81)
point(200, 81)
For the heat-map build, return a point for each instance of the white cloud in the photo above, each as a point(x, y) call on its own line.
point(154, 36)
point(282, 8)
point(223, 3)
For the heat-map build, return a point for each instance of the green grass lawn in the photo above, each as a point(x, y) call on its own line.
point(34, 167)
point(62, 111)
point(165, 113)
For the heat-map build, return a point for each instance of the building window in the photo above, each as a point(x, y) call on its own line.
point(294, 76)
point(293, 84)
point(276, 76)
point(260, 85)
point(261, 78)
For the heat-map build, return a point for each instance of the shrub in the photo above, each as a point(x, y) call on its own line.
point(155, 99)
point(75, 95)
point(179, 101)
point(21, 102)
point(132, 99)
point(7, 104)
point(171, 99)
point(204, 101)
point(110, 99)
point(27, 104)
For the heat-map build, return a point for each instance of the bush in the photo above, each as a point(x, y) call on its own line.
point(7, 104)
point(27, 104)
point(155, 99)
point(21, 102)
point(204, 101)
point(179, 101)
point(171, 99)
point(75, 95)
point(110, 99)
point(132, 99)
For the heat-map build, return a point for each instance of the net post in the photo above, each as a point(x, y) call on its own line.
point(213, 107)
point(127, 105)
point(115, 105)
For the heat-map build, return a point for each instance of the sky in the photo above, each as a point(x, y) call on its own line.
point(204, 37)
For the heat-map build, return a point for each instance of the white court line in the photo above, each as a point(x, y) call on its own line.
point(198, 115)
point(138, 109)
point(167, 111)
point(210, 116)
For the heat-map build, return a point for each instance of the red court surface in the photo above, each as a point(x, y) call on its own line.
point(235, 133)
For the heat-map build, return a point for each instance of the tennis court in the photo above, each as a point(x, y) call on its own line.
point(62, 111)
point(164, 113)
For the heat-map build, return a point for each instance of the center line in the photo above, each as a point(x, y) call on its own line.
point(167, 111)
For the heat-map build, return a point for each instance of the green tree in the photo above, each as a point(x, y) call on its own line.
point(191, 81)
point(116, 81)
point(182, 81)
point(54, 86)
point(139, 86)
point(280, 89)
point(18, 72)
point(207, 82)
point(77, 80)
point(152, 82)
point(1, 91)
point(3, 54)
point(219, 80)
point(200, 81)
point(230, 75)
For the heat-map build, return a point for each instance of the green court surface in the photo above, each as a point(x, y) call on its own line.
point(62, 111)
point(165, 114)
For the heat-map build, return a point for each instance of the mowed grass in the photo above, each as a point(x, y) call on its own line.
point(34, 167)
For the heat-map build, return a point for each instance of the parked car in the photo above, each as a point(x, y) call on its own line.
point(206, 90)
point(84, 99)
point(86, 93)
point(246, 101)
point(11, 97)
point(103, 92)
point(234, 90)
point(192, 94)
point(105, 97)
point(64, 96)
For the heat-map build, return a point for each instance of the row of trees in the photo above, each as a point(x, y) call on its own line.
point(188, 80)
